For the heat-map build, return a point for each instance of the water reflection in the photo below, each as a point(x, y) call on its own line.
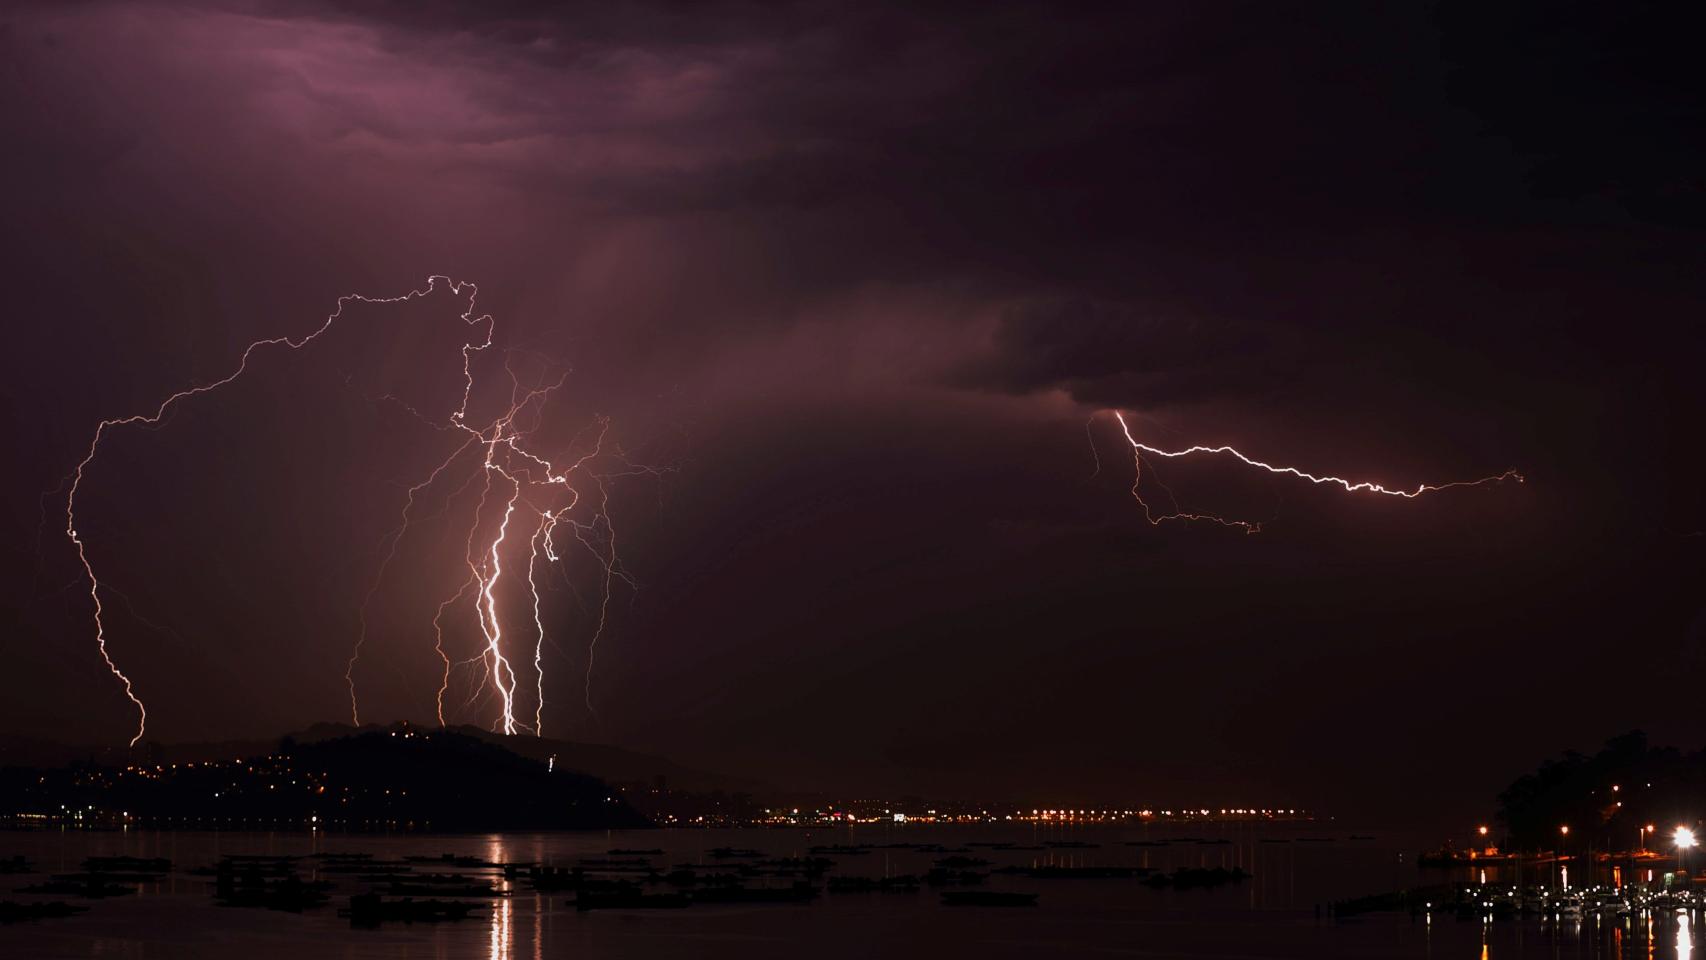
point(538, 930)
point(503, 909)
point(1269, 916)
point(503, 932)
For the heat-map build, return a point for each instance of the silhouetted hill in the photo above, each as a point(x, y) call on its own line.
point(375, 779)
point(608, 763)
point(1607, 798)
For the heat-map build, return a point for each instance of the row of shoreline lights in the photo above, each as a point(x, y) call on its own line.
point(1039, 814)
point(1683, 837)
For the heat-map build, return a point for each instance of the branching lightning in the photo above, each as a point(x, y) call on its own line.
point(512, 479)
point(515, 482)
point(1139, 450)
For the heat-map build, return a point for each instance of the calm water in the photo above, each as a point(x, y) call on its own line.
point(1271, 915)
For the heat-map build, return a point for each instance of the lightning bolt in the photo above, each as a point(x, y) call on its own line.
point(513, 476)
point(1139, 450)
point(538, 628)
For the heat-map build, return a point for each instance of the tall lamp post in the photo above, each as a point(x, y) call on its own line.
point(1684, 840)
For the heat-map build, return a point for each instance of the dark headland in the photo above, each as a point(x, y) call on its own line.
point(396, 778)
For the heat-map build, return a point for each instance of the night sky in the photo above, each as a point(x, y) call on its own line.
point(860, 279)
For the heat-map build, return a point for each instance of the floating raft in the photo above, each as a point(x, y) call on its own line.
point(987, 898)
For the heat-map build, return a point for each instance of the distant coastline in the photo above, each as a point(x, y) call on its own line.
point(376, 780)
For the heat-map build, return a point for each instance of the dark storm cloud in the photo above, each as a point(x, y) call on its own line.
point(1601, 100)
point(1110, 354)
point(864, 271)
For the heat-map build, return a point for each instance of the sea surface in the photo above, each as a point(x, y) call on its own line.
point(1295, 868)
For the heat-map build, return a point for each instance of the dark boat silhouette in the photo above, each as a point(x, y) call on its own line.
point(1461, 858)
point(1197, 878)
point(459, 887)
point(987, 898)
point(371, 909)
point(367, 868)
point(1084, 873)
point(552, 879)
point(735, 853)
point(588, 900)
point(941, 877)
point(688, 876)
point(901, 884)
point(453, 860)
point(13, 912)
point(797, 893)
point(289, 894)
point(797, 866)
point(92, 886)
point(142, 866)
point(271, 867)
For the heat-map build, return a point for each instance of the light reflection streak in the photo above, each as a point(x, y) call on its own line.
point(503, 933)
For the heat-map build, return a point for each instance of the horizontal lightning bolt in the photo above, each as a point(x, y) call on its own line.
point(1139, 450)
